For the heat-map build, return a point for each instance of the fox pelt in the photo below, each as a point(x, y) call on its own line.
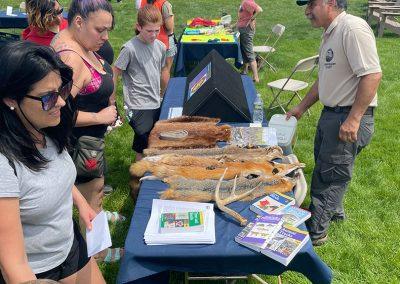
point(204, 168)
point(202, 133)
point(204, 190)
point(211, 161)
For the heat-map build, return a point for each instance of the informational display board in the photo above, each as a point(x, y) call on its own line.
point(199, 80)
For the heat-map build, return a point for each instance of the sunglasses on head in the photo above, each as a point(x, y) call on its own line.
point(59, 12)
point(49, 99)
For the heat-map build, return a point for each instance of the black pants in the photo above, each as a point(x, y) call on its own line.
point(334, 162)
point(142, 122)
point(75, 261)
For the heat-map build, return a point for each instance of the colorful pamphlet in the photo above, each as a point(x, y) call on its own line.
point(294, 215)
point(182, 222)
point(259, 232)
point(272, 203)
point(285, 244)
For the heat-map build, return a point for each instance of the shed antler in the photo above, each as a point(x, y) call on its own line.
point(232, 198)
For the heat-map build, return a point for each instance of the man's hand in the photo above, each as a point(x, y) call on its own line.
point(297, 112)
point(348, 130)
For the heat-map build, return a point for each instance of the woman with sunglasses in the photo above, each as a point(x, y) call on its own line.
point(38, 238)
point(45, 18)
point(89, 22)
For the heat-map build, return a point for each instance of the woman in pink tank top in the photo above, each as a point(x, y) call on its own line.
point(88, 25)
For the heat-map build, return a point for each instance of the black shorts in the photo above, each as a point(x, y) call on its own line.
point(142, 122)
point(75, 261)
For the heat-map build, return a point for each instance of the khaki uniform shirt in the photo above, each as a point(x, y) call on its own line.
point(347, 52)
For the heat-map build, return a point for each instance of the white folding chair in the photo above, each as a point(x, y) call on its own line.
point(265, 50)
point(292, 85)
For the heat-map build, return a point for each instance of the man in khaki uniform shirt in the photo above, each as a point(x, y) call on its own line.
point(348, 78)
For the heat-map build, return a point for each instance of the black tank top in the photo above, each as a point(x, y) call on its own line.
point(94, 101)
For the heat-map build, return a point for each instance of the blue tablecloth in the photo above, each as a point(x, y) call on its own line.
point(225, 256)
point(20, 21)
point(196, 51)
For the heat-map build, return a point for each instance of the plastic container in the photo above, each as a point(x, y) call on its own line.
point(285, 131)
point(258, 110)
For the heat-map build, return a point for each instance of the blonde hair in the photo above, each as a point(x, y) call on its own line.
point(149, 14)
point(41, 13)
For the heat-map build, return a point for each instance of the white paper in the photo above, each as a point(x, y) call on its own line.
point(153, 237)
point(175, 112)
point(255, 124)
point(9, 11)
point(98, 238)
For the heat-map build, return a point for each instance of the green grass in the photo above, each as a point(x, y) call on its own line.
point(364, 249)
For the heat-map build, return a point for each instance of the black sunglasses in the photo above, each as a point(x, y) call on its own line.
point(49, 99)
point(59, 12)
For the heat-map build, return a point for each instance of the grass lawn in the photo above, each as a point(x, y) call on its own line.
point(365, 248)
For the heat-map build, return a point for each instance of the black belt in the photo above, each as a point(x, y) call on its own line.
point(346, 109)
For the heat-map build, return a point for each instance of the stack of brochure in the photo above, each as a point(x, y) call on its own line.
point(266, 234)
point(180, 222)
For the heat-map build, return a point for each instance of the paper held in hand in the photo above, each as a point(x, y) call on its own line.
point(98, 238)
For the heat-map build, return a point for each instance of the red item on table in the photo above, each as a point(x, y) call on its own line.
point(202, 22)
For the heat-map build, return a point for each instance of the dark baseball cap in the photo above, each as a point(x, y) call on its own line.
point(302, 2)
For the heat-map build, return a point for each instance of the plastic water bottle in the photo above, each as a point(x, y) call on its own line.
point(258, 110)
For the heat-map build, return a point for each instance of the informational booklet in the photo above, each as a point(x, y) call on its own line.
point(98, 238)
point(180, 222)
point(272, 203)
point(260, 231)
point(285, 244)
point(294, 215)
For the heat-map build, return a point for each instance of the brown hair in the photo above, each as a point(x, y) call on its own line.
point(149, 14)
point(41, 13)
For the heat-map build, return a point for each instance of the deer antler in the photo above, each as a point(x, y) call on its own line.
point(232, 198)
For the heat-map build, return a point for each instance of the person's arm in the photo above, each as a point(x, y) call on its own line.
point(117, 73)
point(168, 18)
point(310, 99)
point(13, 260)
point(367, 88)
point(257, 11)
point(86, 213)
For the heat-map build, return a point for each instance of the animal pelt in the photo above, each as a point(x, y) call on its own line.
point(202, 133)
point(204, 191)
point(235, 150)
point(240, 169)
point(210, 161)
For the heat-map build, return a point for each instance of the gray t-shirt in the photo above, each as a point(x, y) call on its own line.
point(141, 66)
point(45, 202)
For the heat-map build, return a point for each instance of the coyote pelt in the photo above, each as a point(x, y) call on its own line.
point(231, 149)
point(202, 133)
point(213, 170)
point(204, 191)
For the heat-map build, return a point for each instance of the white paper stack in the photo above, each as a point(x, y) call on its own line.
point(153, 235)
